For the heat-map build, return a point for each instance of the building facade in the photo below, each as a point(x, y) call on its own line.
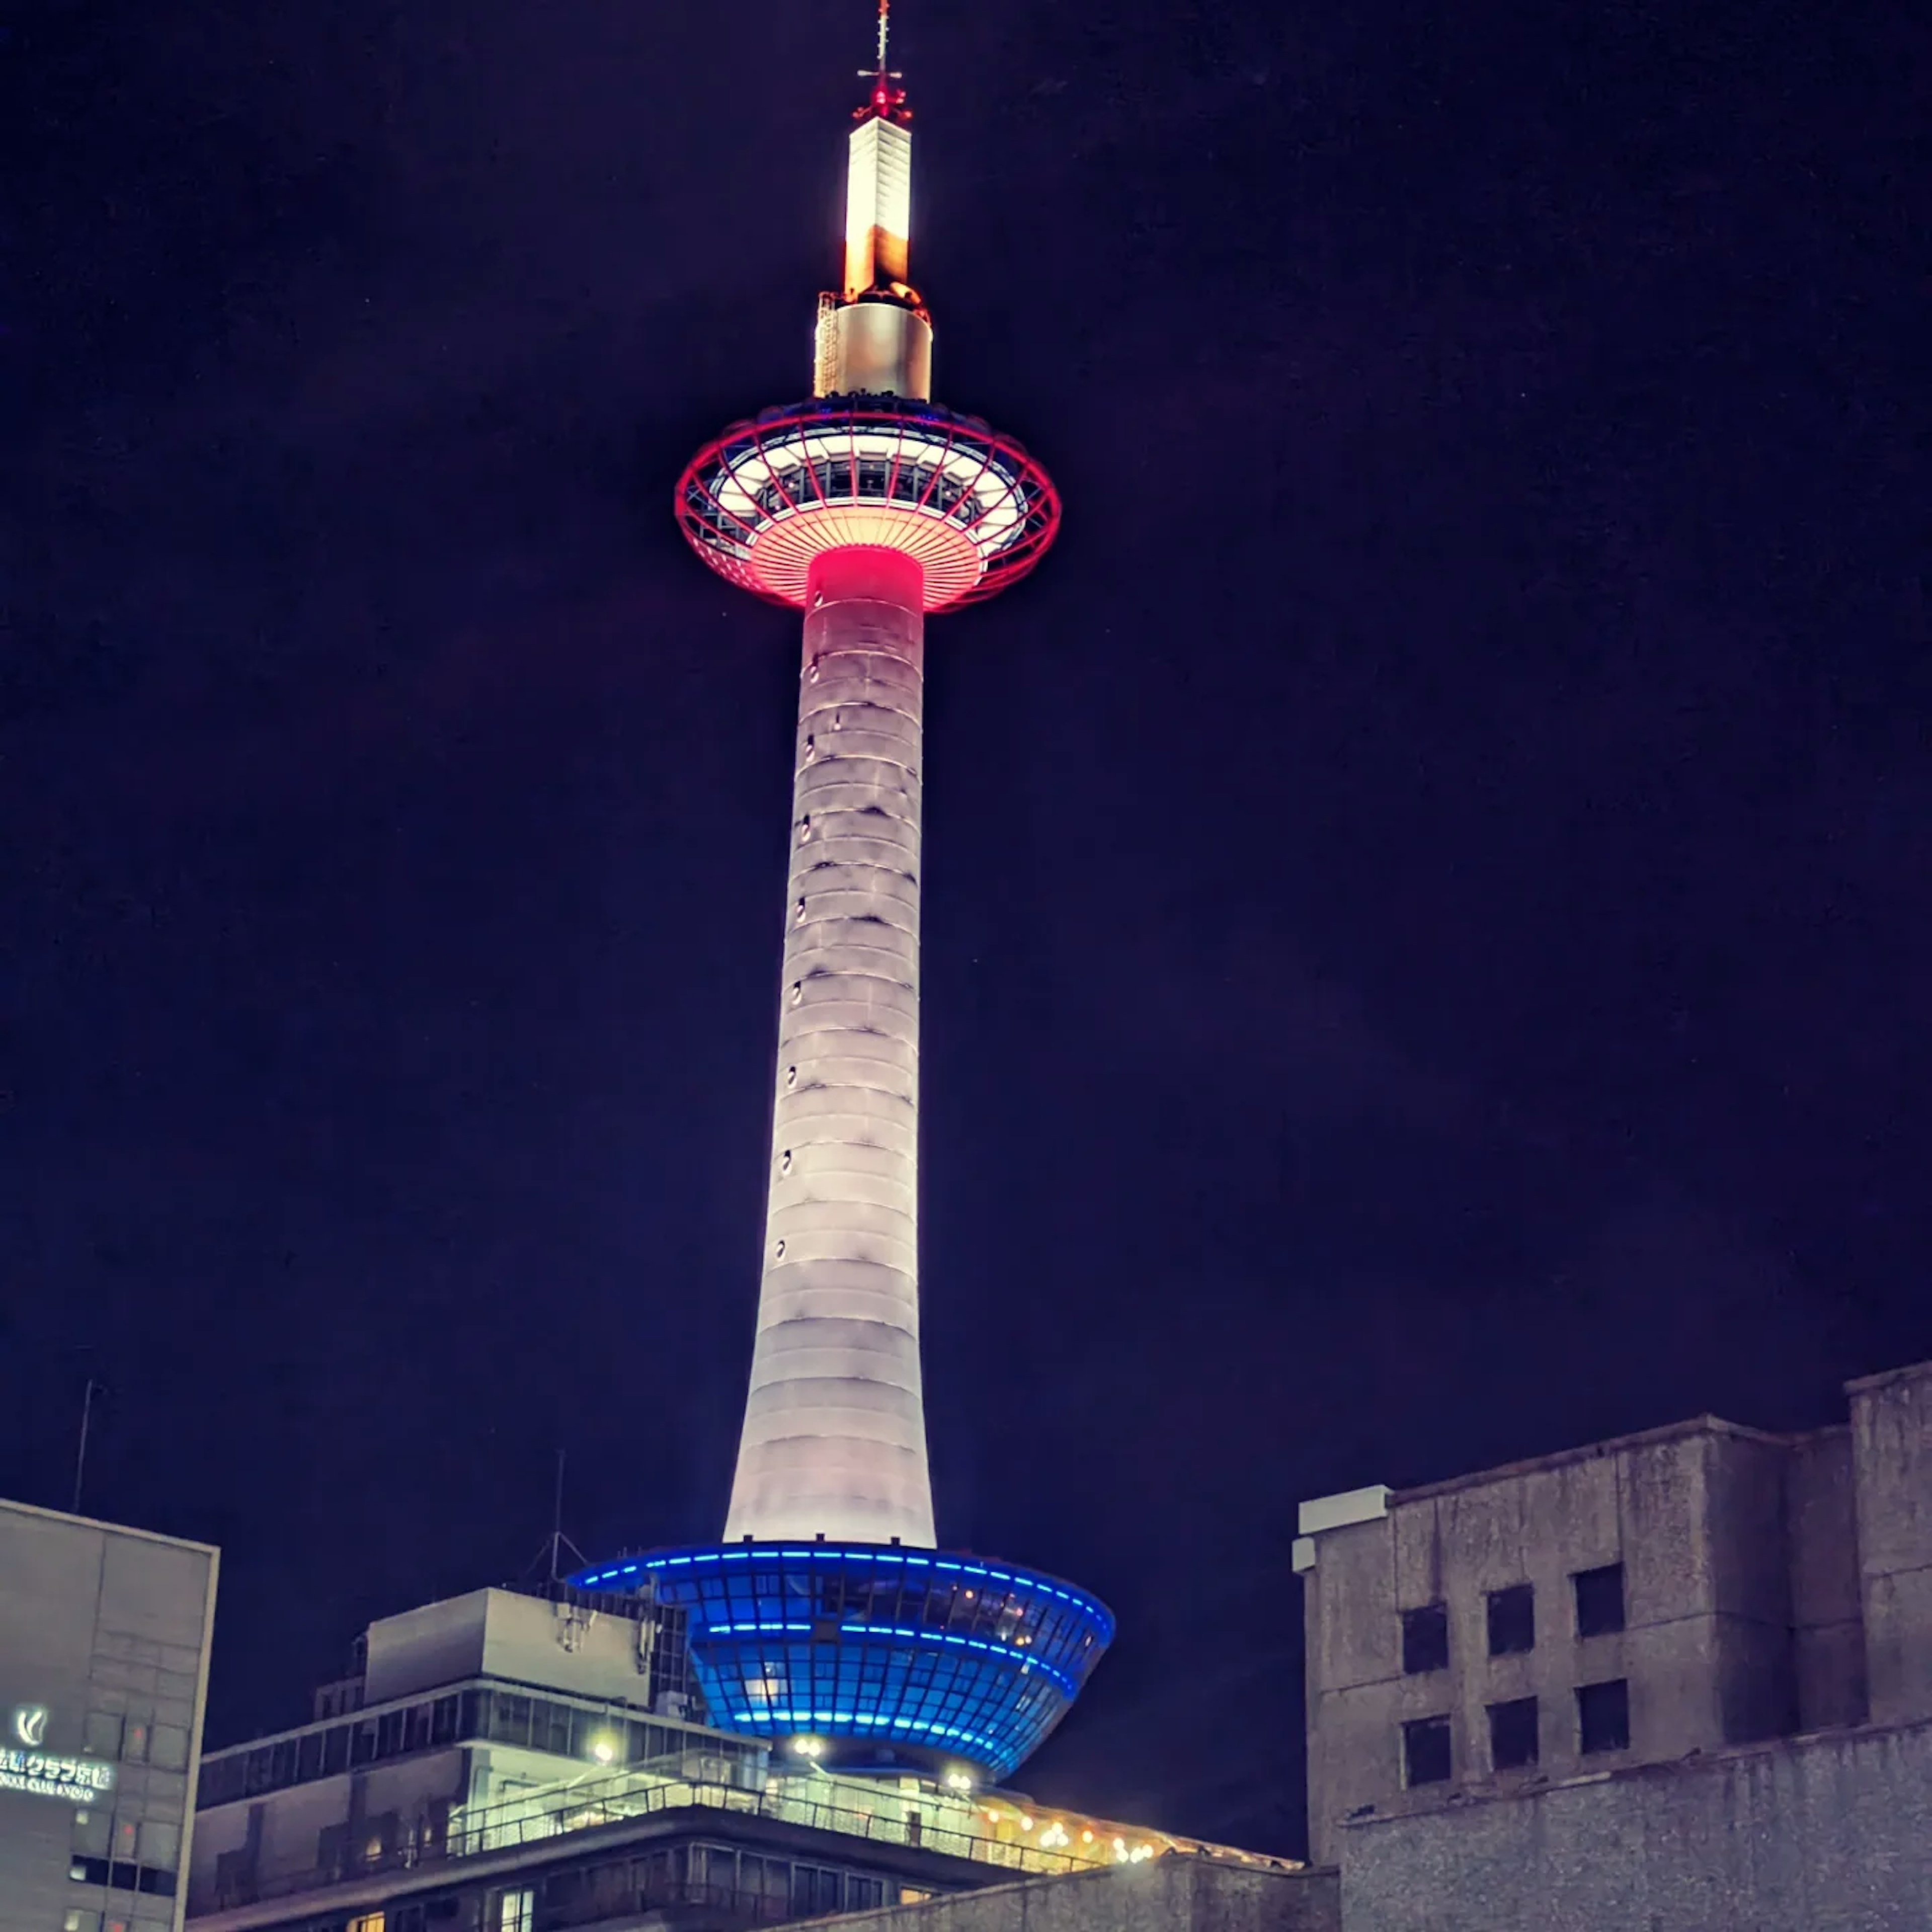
point(1189, 1894)
point(104, 1635)
point(506, 1761)
point(1601, 1679)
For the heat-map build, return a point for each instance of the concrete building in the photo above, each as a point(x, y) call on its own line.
point(828, 1614)
point(507, 1762)
point(103, 1670)
point(1682, 1679)
point(1181, 1894)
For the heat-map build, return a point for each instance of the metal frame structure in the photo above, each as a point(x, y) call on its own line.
point(765, 498)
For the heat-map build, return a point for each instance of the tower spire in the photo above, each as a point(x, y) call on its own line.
point(874, 336)
point(887, 101)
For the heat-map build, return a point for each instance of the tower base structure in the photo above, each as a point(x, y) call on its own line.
point(873, 1657)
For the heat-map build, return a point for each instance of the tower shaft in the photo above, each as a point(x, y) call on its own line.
point(834, 1441)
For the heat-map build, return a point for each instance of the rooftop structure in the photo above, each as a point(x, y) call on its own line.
point(1610, 1686)
point(514, 1761)
point(828, 1615)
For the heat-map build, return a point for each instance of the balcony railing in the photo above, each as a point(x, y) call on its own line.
point(622, 1799)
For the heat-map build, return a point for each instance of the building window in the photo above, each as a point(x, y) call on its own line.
point(816, 1891)
point(1425, 1751)
point(1603, 1716)
point(1600, 1600)
point(1425, 1640)
point(516, 1911)
point(1513, 1734)
point(100, 1735)
point(1512, 1620)
point(157, 1844)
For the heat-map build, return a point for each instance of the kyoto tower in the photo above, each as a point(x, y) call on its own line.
point(827, 1616)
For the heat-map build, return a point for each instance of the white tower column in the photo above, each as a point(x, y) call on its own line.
point(834, 1441)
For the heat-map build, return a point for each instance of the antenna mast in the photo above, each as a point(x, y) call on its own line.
point(550, 1554)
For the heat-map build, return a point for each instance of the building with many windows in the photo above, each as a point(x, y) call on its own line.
point(104, 1669)
point(508, 1762)
point(1682, 1679)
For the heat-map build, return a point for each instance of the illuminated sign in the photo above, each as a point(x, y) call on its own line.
point(78, 1780)
point(30, 1725)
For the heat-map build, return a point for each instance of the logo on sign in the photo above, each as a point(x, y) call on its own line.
point(30, 1725)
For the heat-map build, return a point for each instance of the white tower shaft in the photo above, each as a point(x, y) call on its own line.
point(834, 1441)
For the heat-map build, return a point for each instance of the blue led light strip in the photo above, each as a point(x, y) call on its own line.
point(955, 1732)
point(843, 1556)
point(1009, 1653)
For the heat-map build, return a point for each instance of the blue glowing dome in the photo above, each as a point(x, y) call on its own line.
point(883, 1657)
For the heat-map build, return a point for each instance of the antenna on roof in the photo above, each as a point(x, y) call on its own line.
point(550, 1553)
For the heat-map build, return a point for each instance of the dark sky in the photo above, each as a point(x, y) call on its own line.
point(1428, 889)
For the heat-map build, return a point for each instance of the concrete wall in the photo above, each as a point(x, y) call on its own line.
point(1354, 1668)
point(1827, 1615)
point(1831, 1834)
point(502, 1633)
point(1696, 1514)
point(1751, 1587)
point(1171, 1894)
point(1892, 1448)
point(106, 1630)
point(834, 1440)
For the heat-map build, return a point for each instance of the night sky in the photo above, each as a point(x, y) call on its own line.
point(1428, 889)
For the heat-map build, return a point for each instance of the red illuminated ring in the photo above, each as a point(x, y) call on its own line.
point(974, 509)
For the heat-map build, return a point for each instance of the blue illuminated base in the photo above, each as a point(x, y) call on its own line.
point(884, 1658)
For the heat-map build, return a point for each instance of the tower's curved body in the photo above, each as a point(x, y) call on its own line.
point(834, 1441)
point(828, 1611)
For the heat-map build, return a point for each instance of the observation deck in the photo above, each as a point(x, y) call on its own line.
point(969, 505)
point(877, 1658)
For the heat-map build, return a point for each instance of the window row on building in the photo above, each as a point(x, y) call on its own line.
point(84, 1919)
point(119, 1850)
point(134, 1737)
point(752, 1884)
point(742, 1884)
point(1596, 1606)
point(1601, 1716)
point(471, 1716)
